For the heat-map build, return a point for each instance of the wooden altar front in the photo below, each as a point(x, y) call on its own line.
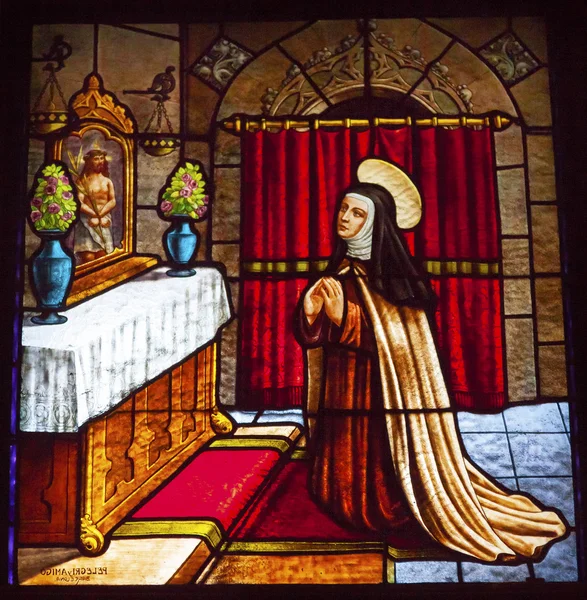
point(74, 488)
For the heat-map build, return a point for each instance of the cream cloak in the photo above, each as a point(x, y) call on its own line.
point(451, 499)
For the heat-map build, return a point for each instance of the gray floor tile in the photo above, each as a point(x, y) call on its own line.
point(490, 451)
point(560, 563)
point(564, 407)
point(425, 572)
point(243, 416)
point(552, 491)
point(541, 454)
point(471, 422)
point(476, 572)
point(509, 482)
point(535, 418)
point(276, 416)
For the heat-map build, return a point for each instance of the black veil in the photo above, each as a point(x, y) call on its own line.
point(391, 270)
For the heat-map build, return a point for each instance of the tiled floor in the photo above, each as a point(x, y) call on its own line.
point(525, 448)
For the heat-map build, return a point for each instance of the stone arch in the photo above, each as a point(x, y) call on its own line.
point(438, 70)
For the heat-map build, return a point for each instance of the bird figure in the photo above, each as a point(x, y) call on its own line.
point(163, 84)
point(58, 53)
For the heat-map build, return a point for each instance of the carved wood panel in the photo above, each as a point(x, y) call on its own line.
point(129, 453)
point(47, 490)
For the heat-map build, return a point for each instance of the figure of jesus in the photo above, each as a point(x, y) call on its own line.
point(93, 235)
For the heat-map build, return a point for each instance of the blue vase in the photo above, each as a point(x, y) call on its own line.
point(52, 272)
point(180, 242)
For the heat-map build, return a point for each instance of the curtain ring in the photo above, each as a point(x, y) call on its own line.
point(347, 123)
point(463, 121)
point(237, 124)
point(409, 121)
point(376, 121)
point(316, 123)
point(247, 124)
point(498, 122)
point(435, 121)
point(286, 124)
point(263, 124)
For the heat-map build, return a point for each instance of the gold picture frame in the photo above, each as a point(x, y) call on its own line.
point(103, 123)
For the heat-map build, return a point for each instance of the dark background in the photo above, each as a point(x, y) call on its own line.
point(567, 36)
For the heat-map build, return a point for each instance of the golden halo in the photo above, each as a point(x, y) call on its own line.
point(408, 204)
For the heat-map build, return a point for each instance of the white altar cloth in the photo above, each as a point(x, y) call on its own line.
point(115, 343)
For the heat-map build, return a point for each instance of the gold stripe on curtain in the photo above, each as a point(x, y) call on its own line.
point(434, 267)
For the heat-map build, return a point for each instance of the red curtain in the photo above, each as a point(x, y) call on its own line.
point(292, 182)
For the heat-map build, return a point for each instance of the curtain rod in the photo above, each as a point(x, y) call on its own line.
point(240, 124)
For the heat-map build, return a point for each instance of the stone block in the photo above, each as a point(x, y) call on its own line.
point(509, 149)
point(549, 308)
point(560, 563)
point(554, 492)
point(414, 33)
point(320, 35)
point(35, 160)
point(163, 28)
point(489, 94)
point(200, 38)
point(476, 572)
point(541, 168)
point(282, 416)
point(512, 202)
point(227, 149)
point(533, 98)
point(553, 371)
point(150, 230)
point(490, 451)
point(226, 207)
point(243, 416)
point(545, 239)
point(516, 257)
point(229, 255)
point(521, 371)
point(130, 60)
point(517, 297)
point(475, 423)
point(538, 418)
point(250, 85)
point(228, 373)
point(77, 66)
point(425, 571)
point(475, 31)
point(532, 31)
point(510, 483)
point(201, 103)
point(152, 172)
point(564, 408)
point(199, 151)
point(255, 36)
point(235, 294)
point(543, 454)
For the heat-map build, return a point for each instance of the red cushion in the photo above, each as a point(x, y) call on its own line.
point(215, 484)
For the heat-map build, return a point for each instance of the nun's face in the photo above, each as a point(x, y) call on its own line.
point(351, 217)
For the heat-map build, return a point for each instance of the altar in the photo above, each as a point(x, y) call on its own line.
point(114, 401)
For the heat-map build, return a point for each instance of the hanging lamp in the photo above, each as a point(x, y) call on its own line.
point(47, 115)
point(155, 140)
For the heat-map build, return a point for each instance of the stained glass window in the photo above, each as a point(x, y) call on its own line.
point(294, 306)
